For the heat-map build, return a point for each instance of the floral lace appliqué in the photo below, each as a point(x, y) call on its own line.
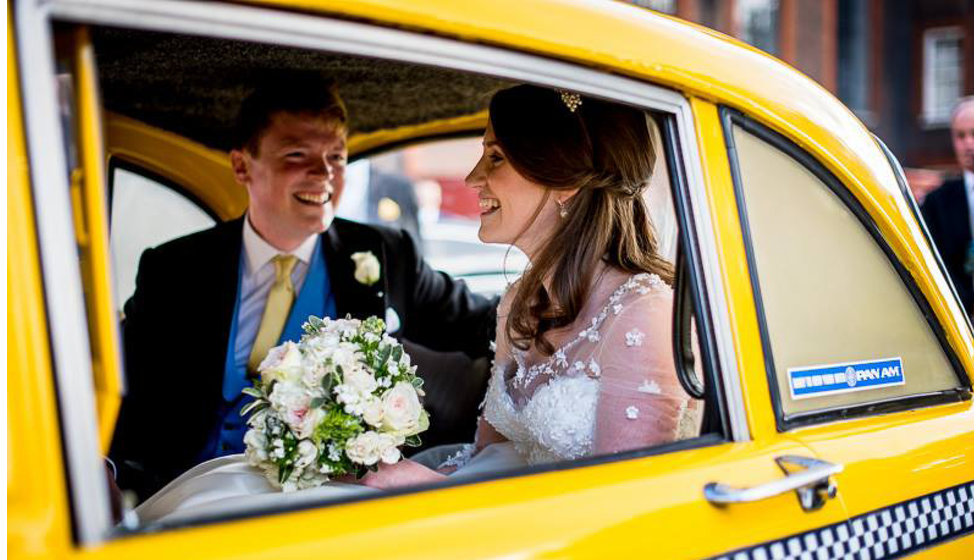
point(634, 337)
point(594, 369)
point(459, 458)
point(650, 387)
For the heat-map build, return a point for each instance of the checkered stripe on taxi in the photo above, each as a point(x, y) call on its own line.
point(889, 532)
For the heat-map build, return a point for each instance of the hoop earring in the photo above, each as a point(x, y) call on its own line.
point(562, 211)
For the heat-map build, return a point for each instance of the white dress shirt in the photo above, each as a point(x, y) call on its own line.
point(968, 184)
point(258, 276)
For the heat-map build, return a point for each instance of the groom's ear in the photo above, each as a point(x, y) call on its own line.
point(239, 166)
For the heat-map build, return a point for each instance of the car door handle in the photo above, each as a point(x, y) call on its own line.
point(813, 484)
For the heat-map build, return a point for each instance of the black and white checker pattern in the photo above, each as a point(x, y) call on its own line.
point(886, 533)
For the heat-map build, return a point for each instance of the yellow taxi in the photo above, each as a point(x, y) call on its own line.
point(812, 317)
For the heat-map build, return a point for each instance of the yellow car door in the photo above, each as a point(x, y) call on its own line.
point(860, 367)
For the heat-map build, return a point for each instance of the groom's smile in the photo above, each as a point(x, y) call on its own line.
point(314, 199)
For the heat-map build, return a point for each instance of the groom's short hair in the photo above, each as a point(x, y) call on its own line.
point(293, 93)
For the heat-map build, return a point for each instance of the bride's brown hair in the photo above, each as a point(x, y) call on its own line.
point(606, 151)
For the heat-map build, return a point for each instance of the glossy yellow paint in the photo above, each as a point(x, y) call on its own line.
point(900, 455)
point(361, 143)
point(92, 232)
point(204, 171)
point(651, 507)
point(634, 42)
point(732, 260)
point(962, 547)
point(37, 516)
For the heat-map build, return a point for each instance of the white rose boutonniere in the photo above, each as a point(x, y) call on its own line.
point(367, 269)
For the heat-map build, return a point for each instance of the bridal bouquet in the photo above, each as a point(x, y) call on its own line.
point(341, 401)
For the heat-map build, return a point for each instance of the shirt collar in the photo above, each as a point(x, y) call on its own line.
point(968, 180)
point(258, 251)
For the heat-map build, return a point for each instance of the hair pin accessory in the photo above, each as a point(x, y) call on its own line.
point(572, 100)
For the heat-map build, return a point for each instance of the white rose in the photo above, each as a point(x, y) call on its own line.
point(307, 453)
point(255, 452)
point(367, 269)
point(389, 448)
point(308, 422)
point(346, 355)
point(292, 404)
point(365, 448)
point(402, 410)
point(320, 348)
point(313, 372)
point(373, 411)
point(360, 380)
point(282, 363)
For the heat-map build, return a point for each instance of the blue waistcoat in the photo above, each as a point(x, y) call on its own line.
point(315, 298)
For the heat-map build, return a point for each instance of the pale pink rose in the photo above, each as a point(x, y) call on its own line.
point(282, 363)
point(365, 448)
point(389, 448)
point(402, 410)
point(373, 411)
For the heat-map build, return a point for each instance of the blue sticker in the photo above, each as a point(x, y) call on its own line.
point(820, 381)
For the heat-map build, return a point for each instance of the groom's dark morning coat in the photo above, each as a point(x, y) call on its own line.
point(178, 322)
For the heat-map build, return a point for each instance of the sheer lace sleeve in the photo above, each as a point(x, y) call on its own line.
point(641, 403)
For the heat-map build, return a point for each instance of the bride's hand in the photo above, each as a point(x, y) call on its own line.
point(403, 473)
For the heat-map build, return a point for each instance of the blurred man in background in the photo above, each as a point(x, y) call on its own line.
point(948, 211)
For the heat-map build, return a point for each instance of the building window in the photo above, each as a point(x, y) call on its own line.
point(756, 23)
point(942, 73)
point(662, 6)
point(853, 35)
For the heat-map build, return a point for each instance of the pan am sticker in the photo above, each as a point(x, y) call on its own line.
point(821, 381)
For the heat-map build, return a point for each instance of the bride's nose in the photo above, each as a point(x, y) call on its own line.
point(477, 177)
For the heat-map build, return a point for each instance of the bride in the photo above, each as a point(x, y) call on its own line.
point(583, 362)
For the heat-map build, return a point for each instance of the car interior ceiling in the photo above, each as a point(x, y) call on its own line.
point(193, 86)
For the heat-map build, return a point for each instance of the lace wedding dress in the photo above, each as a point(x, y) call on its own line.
point(610, 386)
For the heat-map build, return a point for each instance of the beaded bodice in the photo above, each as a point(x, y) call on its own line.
point(610, 386)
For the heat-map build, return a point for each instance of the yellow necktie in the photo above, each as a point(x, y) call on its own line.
point(277, 307)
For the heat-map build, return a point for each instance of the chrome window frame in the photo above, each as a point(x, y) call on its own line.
point(317, 32)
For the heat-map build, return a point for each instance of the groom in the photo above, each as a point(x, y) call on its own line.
point(208, 306)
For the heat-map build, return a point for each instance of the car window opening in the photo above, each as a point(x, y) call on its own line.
point(424, 192)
